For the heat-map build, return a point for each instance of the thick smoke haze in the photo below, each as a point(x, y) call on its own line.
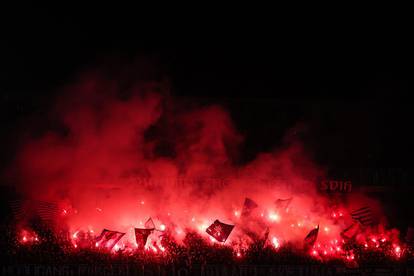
point(114, 158)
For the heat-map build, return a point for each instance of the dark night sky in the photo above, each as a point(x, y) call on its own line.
point(351, 91)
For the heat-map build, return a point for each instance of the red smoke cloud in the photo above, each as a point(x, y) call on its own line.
point(117, 158)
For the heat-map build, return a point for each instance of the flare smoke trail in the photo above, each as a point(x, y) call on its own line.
point(114, 159)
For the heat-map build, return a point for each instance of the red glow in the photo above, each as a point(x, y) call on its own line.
point(274, 217)
point(275, 243)
point(28, 237)
point(111, 166)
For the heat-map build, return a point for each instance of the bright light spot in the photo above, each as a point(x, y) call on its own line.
point(75, 245)
point(193, 219)
point(238, 254)
point(326, 229)
point(98, 209)
point(202, 227)
point(96, 244)
point(142, 202)
point(274, 217)
point(374, 240)
point(236, 213)
point(24, 238)
point(275, 242)
point(366, 245)
point(324, 252)
point(384, 239)
point(314, 252)
point(262, 215)
point(162, 227)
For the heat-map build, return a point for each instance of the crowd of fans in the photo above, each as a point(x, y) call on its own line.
point(194, 250)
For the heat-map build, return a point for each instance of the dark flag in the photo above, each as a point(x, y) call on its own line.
point(220, 231)
point(363, 215)
point(149, 224)
point(248, 207)
point(107, 239)
point(351, 231)
point(283, 203)
point(251, 234)
point(141, 236)
point(265, 236)
point(310, 239)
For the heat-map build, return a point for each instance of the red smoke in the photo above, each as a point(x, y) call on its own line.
point(115, 159)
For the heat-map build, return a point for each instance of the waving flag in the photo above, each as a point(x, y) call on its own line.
point(220, 231)
point(149, 224)
point(141, 236)
point(310, 239)
point(107, 239)
point(351, 231)
point(363, 215)
point(283, 203)
point(265, 236)
point(248, 207)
